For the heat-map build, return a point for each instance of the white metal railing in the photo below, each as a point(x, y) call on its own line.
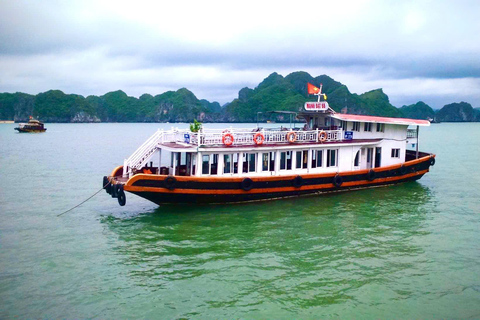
point(143, 153)
point(411, 133)
point(246, 136)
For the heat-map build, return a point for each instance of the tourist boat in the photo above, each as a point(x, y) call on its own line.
point(332, 152)
point(32, 126)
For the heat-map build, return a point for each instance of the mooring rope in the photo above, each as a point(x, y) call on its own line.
point(78, 205)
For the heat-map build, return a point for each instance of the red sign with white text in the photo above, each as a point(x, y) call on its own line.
point(316, 106)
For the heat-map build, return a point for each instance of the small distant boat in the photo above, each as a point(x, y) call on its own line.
point(32, 126)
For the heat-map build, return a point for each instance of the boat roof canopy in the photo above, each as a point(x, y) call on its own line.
point(374, 119)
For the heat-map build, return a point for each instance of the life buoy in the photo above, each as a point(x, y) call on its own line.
point(291, 137)
point(297, 182)
point(122, 199)
point(256, 138)
point(170, 182)
point(432, 161)
point(403, 170)
point(322, 136)
point(247, 184)
point(227, 139)
point(337, 180)
point(371, 175)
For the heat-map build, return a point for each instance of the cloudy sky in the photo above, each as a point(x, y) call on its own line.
point(414, 50)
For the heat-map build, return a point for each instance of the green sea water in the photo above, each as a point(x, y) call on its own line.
point(398, 252)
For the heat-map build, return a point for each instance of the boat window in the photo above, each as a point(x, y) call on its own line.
point(332, 157)
point(367, 127)
point(317, 158)
point(395, 153)
point(286, 160)
point(194, 162)
point(298, 158)
point(182, 161)
point(235, 162)
point(186, 164)
point(205, 164)
point(230, 163)
point(227, 163)
point(245, 162)
point(252, 162)
point(249, 162)
point(214, 163)
point(356, 126)
point(380, 127)
point(268, 161)
point(302, 159)
point(378, 157)
point(265, 161)
point(356, 162)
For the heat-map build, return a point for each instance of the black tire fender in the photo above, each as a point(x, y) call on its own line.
point(337, 181)
point(297, 182)
point(403, 170)
point(114, 190)
point(432, 161)
point(107, 185)
point(170, 182)
point(105, 182)
point(371, 175)
point(122, 199)
point(247, 184)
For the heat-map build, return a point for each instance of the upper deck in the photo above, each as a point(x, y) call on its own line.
point(237, 137)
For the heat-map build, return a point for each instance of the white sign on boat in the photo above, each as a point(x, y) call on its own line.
point(316, 106)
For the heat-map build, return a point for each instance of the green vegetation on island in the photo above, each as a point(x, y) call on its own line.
point(274, 93)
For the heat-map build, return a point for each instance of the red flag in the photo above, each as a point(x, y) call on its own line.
point(312, 89)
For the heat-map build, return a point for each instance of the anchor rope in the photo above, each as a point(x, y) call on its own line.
point(78, 205)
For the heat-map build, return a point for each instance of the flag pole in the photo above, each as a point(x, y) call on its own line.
point(319, 92)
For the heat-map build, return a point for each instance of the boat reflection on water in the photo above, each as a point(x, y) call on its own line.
point(327, 246)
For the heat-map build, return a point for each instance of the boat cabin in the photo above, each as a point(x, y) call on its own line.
point(328, 142)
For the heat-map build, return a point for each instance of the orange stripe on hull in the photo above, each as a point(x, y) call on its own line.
point(366, 183)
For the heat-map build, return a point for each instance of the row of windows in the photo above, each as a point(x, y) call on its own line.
point(367, 127)
point(231, 161)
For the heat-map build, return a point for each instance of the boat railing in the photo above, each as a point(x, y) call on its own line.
point(215, 137)
point(143, 153)
point(411, 133)
point(246, 137)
